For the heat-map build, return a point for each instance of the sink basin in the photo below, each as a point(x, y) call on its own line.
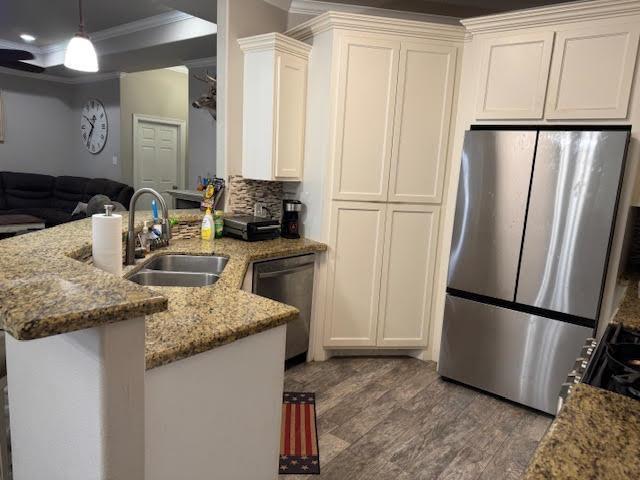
point(173, 279)
point(188, 263)
point(181, 271)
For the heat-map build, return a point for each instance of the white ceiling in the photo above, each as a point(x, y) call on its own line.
point(129, 35)
point(52, 21)
point(453, 8)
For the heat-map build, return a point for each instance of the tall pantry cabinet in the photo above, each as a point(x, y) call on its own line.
point(379, 114)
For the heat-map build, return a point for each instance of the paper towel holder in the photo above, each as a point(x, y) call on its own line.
point(108, 210)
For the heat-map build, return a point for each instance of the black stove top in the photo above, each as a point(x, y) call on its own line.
point(615, 364)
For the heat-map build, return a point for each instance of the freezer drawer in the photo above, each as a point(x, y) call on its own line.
point(573, 199)
point(494, 182)
point(522, 357)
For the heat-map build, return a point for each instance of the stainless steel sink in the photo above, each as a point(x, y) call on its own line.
point(173, 279)
point(181, 271)
point(189, 263)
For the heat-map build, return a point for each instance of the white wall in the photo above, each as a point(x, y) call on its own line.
point(38, 129)
point(202, 131)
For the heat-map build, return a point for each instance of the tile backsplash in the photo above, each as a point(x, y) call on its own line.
point(244, 193)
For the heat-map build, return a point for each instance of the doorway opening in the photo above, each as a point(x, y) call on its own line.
point(159, 153)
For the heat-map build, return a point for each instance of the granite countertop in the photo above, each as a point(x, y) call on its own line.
point(45, 289)
point(597, 433)
point(202, 318)
point(595, 436)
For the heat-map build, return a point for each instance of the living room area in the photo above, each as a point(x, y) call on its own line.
point(73, 140)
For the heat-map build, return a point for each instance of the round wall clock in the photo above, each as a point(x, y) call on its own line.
point(94, 126)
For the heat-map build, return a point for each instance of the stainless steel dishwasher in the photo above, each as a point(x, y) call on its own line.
point(290, 281)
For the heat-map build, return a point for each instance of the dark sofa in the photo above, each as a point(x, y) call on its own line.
point(53, 199)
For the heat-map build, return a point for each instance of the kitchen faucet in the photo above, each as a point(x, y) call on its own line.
point(131, 234)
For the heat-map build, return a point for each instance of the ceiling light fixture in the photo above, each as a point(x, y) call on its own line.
point(27, 38)
point(80, 54)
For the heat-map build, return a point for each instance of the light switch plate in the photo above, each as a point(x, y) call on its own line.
point(114, 160)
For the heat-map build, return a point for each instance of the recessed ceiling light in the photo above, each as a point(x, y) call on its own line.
point(27, 38)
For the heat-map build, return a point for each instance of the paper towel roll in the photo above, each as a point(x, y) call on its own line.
point(107, 242)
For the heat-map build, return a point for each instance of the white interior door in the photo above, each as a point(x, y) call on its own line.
point(158, 156)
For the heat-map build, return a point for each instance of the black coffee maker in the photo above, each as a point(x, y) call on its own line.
point(290, 221)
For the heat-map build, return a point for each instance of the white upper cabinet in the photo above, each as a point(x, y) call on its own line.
point(513, 76)
point(422, 121)
point(291, 82)
point(393, 117)
point(368, 67)
point(274, 101)
point(410, 248)
point(592, 72)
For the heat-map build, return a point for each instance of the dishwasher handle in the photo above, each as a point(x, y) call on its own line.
point(285, 271)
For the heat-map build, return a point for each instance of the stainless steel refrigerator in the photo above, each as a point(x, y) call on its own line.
point(533, 225)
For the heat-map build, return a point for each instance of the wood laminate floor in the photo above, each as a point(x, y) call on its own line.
point(395, 418)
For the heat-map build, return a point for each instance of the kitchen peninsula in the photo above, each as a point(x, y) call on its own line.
point(123, 381)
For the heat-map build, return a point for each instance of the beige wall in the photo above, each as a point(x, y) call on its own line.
point(161, 93)
point(237, 19)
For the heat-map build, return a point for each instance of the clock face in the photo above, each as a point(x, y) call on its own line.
point(94, 126)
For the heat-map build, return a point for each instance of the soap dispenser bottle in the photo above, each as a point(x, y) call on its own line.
point(207, 225)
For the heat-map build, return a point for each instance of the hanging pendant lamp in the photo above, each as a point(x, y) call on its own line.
point(80, 54)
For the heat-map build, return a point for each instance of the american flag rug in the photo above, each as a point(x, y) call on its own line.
point(299, 438)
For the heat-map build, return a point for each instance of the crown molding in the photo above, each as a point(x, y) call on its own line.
point(202, 62)
point(562, 13)
point(44, 77)
point(18, 46)
point(309, 7)
point(275, 41)
point(181, 69)
point(367, 23)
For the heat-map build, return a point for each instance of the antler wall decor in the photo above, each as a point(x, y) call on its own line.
point(208, 100)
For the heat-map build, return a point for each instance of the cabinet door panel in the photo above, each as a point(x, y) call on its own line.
point(366, 101)
point(355, 264)
point(411, 236)
point(592, 73)
point(513, 77)
point(290, 120)
point(422, 120)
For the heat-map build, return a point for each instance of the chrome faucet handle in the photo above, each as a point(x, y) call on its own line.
point(165, 227)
